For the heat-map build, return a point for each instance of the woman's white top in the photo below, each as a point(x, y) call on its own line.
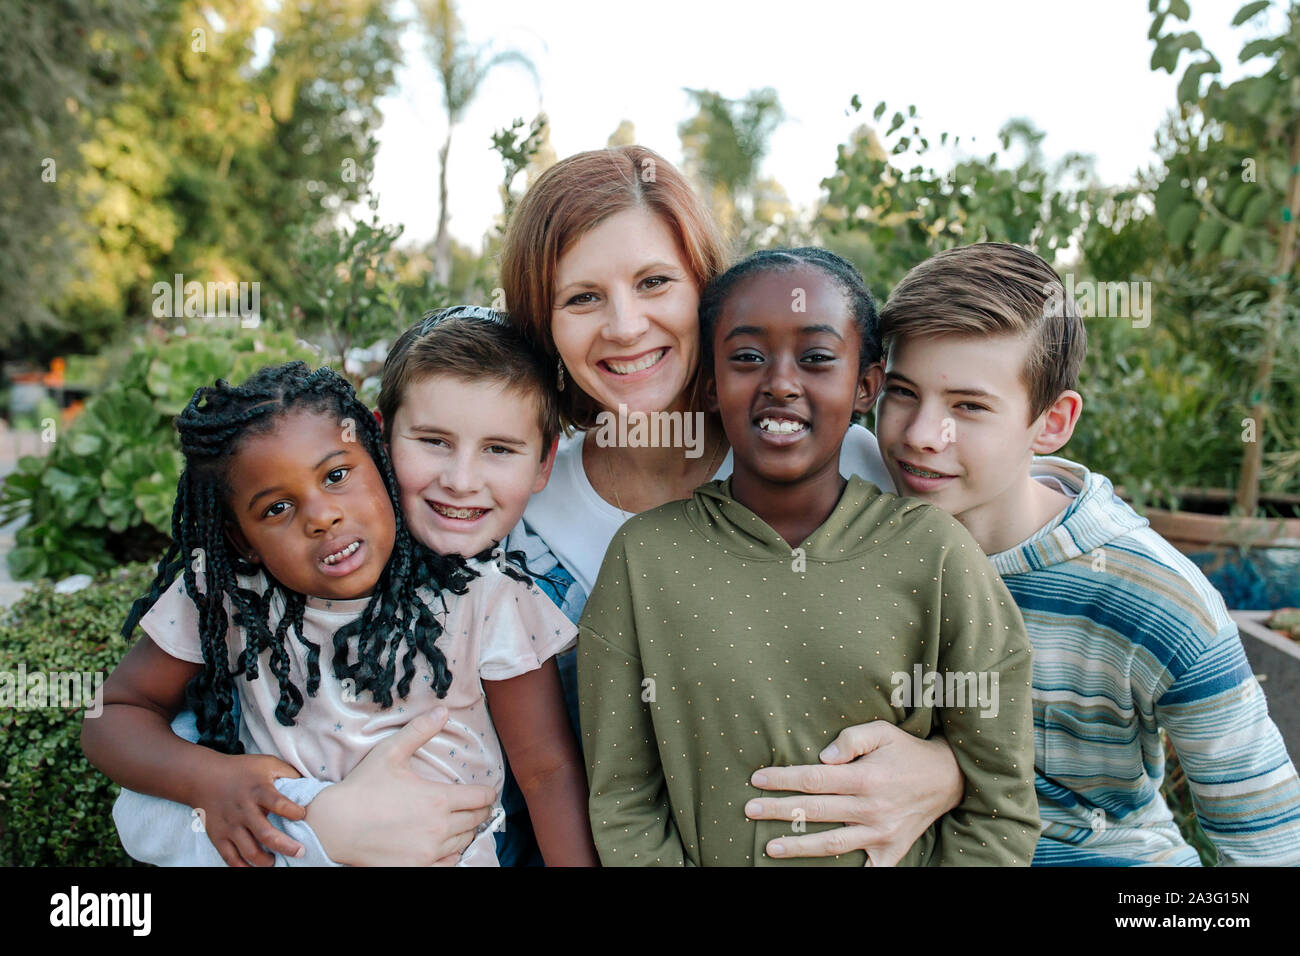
point(578, 524)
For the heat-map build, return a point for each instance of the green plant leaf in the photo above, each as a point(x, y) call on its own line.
point(1208, 234)
point(1189, 86)
point(1237, 197)
point(26, 563)
point(63, 485)
point(1257, 209)
point(1258, 91)
point(1231, 245)
point(1181, 223)
point(1168, 196)
point(1261, 47)
point(1249, 10)
point(84, 443)
point(1279, 175)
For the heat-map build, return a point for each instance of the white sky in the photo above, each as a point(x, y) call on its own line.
point(1079, 70)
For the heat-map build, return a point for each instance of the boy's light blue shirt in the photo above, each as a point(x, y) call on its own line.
point(1130, 641)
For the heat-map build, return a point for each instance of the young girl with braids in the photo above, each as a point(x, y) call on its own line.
point(289, 538)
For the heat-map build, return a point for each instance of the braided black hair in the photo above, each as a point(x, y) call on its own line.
point(840, 270)
point(212, 427)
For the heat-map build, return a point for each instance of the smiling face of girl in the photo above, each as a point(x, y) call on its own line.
point(311, 507)
point(625, 314)
point(468, 454)
point(787, 382)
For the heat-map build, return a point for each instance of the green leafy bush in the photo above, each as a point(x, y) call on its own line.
point(55, 808)
point(104, 493)
point(1149, 421)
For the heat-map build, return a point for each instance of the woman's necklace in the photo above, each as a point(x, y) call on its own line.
point(613, 485)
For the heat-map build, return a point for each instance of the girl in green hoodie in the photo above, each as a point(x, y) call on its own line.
point(742, 628)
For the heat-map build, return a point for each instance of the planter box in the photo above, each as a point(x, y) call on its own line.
point(1253, 562)
point(1190, 531)
point(1275, 659)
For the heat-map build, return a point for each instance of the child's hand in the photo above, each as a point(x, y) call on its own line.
point(384, 814)
point(232, 803)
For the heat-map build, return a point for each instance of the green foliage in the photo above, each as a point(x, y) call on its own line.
point(55, 808)
point(63, 62)
point(1227, 202)
point(517, 145)
point(1166, 405)
point(105, 490)
point(888, 193)
point(343, 281)
point(1149, 422)
point(726, 140)
point(217, 146)
point(723, 146)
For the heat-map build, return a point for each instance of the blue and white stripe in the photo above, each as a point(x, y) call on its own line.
point(1131, 641)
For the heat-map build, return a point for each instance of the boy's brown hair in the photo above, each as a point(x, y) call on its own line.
point(994, 288)
point(473, 344)
point(570, 199)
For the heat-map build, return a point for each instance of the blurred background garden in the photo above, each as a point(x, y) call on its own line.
point(189, 191)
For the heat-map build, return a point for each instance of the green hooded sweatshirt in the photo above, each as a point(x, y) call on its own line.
point(709, 649)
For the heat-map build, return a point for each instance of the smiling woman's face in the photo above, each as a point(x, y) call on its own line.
point(625, 318)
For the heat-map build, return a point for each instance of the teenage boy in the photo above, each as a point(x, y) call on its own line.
point(983, 350)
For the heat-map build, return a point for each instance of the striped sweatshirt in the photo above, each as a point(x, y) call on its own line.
point(1130, 640)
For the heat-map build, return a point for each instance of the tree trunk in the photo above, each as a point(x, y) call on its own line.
point(442, 242)
point(1252, 461)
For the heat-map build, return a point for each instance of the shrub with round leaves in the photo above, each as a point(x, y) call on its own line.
point(55, 808)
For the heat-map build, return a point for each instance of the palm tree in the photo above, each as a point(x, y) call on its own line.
point(461, 69)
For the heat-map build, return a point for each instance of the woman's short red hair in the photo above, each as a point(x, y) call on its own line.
point(571, 198)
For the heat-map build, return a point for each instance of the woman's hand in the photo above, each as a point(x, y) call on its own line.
point(384, 814)
point(231, 803)
point(883, 784)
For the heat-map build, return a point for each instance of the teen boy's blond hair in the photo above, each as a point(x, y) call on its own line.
point(994, 288)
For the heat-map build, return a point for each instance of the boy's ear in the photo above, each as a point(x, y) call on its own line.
point(240, 543)
point(869, 386)
point(1058, 423)
point(379, 420)
point(548, 462)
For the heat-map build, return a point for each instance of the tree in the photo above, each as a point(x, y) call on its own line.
point(1229, 201)
point(723, 145)
point(63, 65)
point(900, 209)
point(211, 157)
point(345, 281)
point(461, 70)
